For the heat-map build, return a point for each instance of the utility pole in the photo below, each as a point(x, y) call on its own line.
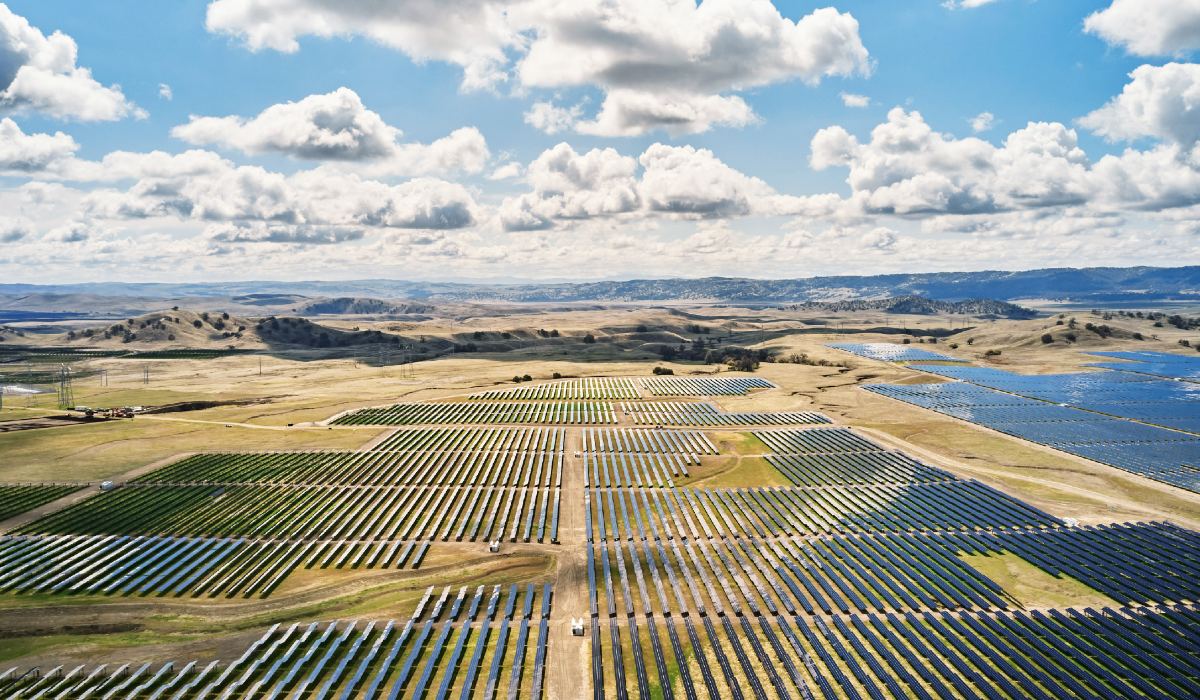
point(146, 374)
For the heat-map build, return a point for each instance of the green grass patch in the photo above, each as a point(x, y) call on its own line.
point(1033, 587)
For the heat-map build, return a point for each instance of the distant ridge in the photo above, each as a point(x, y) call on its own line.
point(984, 308)
point(1081, 285)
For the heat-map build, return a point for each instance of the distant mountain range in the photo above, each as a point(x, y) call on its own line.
point(920, 306)
point(1082, 285)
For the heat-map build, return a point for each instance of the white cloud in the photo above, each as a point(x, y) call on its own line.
point(674, 182)
point(569, 185)
point(984, 121)
point(39, 74)
point(473, 34)
point(334, 126)
point(506, 171)
point(13, 230)
point(463, 150)
point(261, 232)
point(965, 4)
point(907, 169)
point(661, 63)
point(550, 118)
point(321, 197)
point(28, 153)
point(1148, 27)
point(690, 181)
point(633, 112)
point(1160, 102)
point(857, 101)
point(337, 127)
point(672, 65)
point(165, 92)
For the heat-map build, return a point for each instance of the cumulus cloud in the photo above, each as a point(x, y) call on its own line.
point(334, 126)
point(38, 73)
point(74, 232)
point(506, 171)
point(1160, 102)
point(673, 65)
point(634, 112)
point(165, 92)
point(260, 232)
point(857, 101)
point(550, 118)
point(12, 230)
point(473, 34)
point(569, 185)
point(221, 192)
point(687, 180)
point(661, 63)
point(908, 169)
point(984, 121)
point(1148, 27)
point(666, 181)
point(27, 153)
point(337, 127)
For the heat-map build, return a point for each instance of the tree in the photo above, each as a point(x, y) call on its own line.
point(642, 328)
point(663, 370)
point(197, 323)
point(1047, 339)
point(589, 338)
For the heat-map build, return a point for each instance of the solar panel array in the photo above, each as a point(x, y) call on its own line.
point(703, 386)
point(1139, 397)
point(239, 523)
point(575, 388)
point(628, 388)
point(19, 498)
point(480, 412)
point(1157, 363)
point(680, 413)
point(852, 584)
point(893, 352)
point(473, 643)
point(1160, 454)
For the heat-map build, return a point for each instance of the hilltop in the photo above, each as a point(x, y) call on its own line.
point(921, 306)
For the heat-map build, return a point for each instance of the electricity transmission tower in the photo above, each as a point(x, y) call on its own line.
point(66, 394)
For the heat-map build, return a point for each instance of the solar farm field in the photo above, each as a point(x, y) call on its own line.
point(1159, 364)
point(1140, 397)
point(228, 524)
point(1165, 455)
point(473, 413)
point(856, 583)
point(860, 572)
point(893, 352)
point(629, 388)
point(17, 498)
point(481, 641)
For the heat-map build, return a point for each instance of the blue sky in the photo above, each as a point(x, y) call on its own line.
point(673, 154)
